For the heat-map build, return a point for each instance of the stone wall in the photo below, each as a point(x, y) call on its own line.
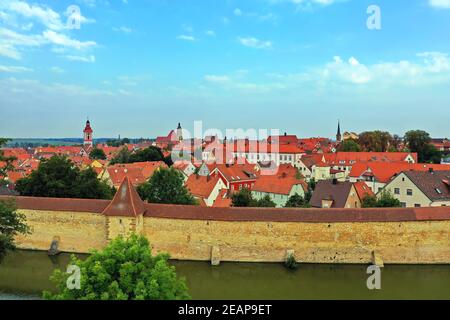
point(76, 232)
point(416, 242)
point(253, 241)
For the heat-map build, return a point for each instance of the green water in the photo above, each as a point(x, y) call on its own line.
point(25, 274)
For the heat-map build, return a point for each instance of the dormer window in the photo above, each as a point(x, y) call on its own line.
point(438, 191)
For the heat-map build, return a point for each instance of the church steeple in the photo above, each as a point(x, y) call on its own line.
point(88, 141)
point(338, 135)
point(179, 132)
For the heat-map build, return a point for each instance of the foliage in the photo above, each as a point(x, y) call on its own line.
point(58, 177)
point(291, 263)
point(419, 141)
point(385, 200)
point(6, 162)
point(97, 154)
point(166, 186)
point(124, 270)
point(375, 141)
point(349, 145)
point(244, 198)
point(148, 154)
point(117, 142)
point(297, 201)
point(12, 223)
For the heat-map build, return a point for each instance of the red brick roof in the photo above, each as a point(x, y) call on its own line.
point(383, 172)
point(363, 190)
point(126, 202)
point(201, 186)
point(279, 184)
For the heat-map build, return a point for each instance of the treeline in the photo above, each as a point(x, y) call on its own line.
point(382, 141)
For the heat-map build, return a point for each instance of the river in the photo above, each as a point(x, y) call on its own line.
point(25, 274)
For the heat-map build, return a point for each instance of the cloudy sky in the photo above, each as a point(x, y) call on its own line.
point(138, 67)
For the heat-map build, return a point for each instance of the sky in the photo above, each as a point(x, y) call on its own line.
point(136, 68)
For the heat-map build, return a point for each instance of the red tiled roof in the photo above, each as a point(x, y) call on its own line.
point(278, 184)
point(222, 200)
point(383, 172)
point(201, 186)
point(350, 158)
point(126, 202)
point(363, 190)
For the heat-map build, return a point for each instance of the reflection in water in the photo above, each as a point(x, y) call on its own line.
point(25, 274)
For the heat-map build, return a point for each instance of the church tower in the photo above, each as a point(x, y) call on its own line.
point(338, 135)
point(179, 132)
point(88, 141)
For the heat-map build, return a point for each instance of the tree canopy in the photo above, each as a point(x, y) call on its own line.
point(385, 200)
point(349, 145)
point(148, 154)
point(419, 141)
point(97, 154)
point(124, 270)
point(375, 141)
point(244, 198)
point(5, 162)
point(58, 177)
point(12, 223)
point(166, 185)
point(297, 201)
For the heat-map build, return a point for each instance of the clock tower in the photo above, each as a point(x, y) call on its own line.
point(88, 141)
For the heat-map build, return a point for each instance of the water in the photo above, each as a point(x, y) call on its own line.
point(25, 274)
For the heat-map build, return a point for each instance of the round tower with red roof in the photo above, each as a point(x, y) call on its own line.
point(88, 142)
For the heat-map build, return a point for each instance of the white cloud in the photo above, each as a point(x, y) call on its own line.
point(57, 70)
point(123, 29)
point(186, 37)
point(440, 4)
point(14, 69)
point(217, 79)
point(210, 33)
point(87, 59)
point(255, 43)
point(65, 41)
point(237, 12)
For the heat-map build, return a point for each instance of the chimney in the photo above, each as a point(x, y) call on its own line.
point(431, 170)
point(208, 178)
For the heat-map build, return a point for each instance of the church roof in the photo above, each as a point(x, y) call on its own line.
point(126, 202)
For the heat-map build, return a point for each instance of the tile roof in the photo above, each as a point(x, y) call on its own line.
point(278, 184)
point(363, 190)
point(201, 186)
point(329, 190)
point(435, 185)
point(383, 172)
point(126, 202)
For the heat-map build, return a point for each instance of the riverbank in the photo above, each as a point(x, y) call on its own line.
point(25, 274)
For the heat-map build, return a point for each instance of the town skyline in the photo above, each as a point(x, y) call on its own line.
point(298, 66)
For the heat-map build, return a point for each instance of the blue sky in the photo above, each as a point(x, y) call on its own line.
point(138, 67)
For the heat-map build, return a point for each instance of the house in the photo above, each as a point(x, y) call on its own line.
point(363, 190)
point(442, 144)
point(205, 189)
point(377, 174)
point(421, 188)
point(138, 172)
point(185, 167)
point(279, 188)
point(237, 176)
point(223, 200)
point(335, 194)
point(446, 160)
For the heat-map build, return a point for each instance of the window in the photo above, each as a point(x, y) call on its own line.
point(417, 205)
point(438, 191)
point(397, 191)
point(409, 192)
point(403, 204)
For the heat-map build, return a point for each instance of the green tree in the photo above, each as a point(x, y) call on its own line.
point(97, 154)
point(123, 156)
point(12, 223)
point(5, 162)
point(419, 141)
point(385, 200)
point(243, 198)
point(297, 201)
point(124, 270)
point(58, 177)
point(166, 186)
point(375, 141)
point(265, 202)
point(349, 145)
